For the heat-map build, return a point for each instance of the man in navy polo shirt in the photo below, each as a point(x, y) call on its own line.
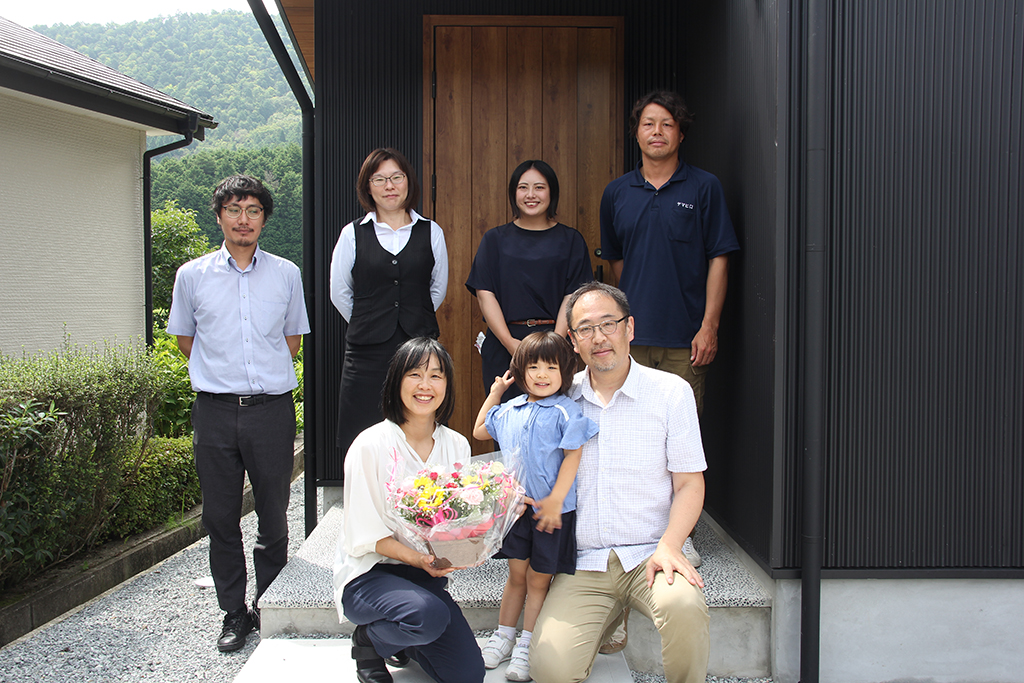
point(666, 230)
point(239, 316)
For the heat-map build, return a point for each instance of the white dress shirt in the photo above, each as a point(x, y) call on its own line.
point(393, 242)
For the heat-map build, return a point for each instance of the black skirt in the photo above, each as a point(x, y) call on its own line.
point(362, 378)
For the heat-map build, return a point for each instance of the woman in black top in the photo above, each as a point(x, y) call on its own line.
point(389, 274)
point(524, 271)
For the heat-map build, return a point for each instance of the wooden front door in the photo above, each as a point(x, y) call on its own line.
point(498, 91)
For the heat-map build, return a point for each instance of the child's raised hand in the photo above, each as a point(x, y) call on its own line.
point(549, 516)
point(502, 383)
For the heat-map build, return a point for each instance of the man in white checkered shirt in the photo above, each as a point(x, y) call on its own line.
point(640, 490)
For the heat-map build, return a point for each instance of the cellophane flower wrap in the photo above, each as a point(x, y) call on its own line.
point(458, 513)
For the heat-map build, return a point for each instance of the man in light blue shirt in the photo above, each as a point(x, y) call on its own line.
point(239, 316)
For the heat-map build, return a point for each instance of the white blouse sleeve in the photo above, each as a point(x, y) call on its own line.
point(439, 275)
point(342, 260)
point(364, 496)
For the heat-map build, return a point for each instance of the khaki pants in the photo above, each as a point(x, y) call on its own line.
point(676, 361)
point(581, 611)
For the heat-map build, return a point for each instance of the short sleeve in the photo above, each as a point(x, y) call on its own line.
point(611, 245)
point(492, 424)
point(683, 445)
point(486, 270)
point(719, 235)
point(578, 429)
point(296, 320)
point(181, 320)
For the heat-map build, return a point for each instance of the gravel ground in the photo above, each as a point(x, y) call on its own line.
point(159, 626)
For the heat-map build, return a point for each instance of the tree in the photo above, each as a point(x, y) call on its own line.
point(177, 239)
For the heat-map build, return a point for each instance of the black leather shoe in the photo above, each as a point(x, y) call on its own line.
point(237, 625)
point(399, 660)
point(370, 667)
point(254, 614)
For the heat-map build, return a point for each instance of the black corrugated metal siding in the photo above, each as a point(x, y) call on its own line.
point(925, 450)
point(369, 94)
point(733, 80)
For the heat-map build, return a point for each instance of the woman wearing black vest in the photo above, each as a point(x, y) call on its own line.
point(389, 273)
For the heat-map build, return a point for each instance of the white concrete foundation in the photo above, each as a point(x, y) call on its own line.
point(907, 630)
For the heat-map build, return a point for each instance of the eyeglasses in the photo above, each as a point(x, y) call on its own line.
point(607, 328)
point(381, 181)
point(236, 211)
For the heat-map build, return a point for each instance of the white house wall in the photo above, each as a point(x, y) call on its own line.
point(71, 221)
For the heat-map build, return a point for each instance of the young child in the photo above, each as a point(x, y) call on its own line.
point(546, 430)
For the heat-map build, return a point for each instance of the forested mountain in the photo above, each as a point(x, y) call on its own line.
point(219, 63)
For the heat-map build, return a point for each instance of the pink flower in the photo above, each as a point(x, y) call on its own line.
point(473, 496)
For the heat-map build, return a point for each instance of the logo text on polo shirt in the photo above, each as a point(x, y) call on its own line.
point(685, 205)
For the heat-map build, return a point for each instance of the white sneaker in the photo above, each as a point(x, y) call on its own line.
point(496, 650)
point(690, 553)
point(519, 668)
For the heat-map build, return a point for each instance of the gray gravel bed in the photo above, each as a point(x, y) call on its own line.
point(157, 626)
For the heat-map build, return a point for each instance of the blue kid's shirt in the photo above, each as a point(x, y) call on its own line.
point(537, 432)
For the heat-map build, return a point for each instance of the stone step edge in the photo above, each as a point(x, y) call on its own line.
point(305, 583)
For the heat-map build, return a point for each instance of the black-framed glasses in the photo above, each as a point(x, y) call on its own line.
point(381, 181)
point(236, 211)
point(607, 328)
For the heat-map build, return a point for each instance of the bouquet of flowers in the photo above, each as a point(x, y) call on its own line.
point(459, 514)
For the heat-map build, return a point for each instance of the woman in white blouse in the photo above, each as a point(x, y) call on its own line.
point(393, 594)
point(389, 274)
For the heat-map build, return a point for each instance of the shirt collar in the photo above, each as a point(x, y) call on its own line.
point(413, 216)
point(638, 179)
point(522, 399)
point(227, 261)
point(581, 385)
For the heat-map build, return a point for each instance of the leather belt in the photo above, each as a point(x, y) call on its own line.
point(532, 322)
point(244, 401)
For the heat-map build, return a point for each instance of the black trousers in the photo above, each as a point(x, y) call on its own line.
point(228, 441)
point(407, 609)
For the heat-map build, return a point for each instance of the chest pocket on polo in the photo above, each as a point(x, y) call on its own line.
point(684, 223)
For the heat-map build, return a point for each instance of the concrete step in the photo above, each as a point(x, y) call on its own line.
point(300, 602)
point(305, 659)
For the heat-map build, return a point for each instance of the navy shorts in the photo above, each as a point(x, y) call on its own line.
point(553, 553)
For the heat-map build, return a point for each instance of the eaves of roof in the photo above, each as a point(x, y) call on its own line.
point(34, 64)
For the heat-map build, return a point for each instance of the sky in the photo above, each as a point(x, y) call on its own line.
point(34, 12)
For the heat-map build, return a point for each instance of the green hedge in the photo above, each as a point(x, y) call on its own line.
point(73, 427)
point(165, 487)
point(79, 464)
